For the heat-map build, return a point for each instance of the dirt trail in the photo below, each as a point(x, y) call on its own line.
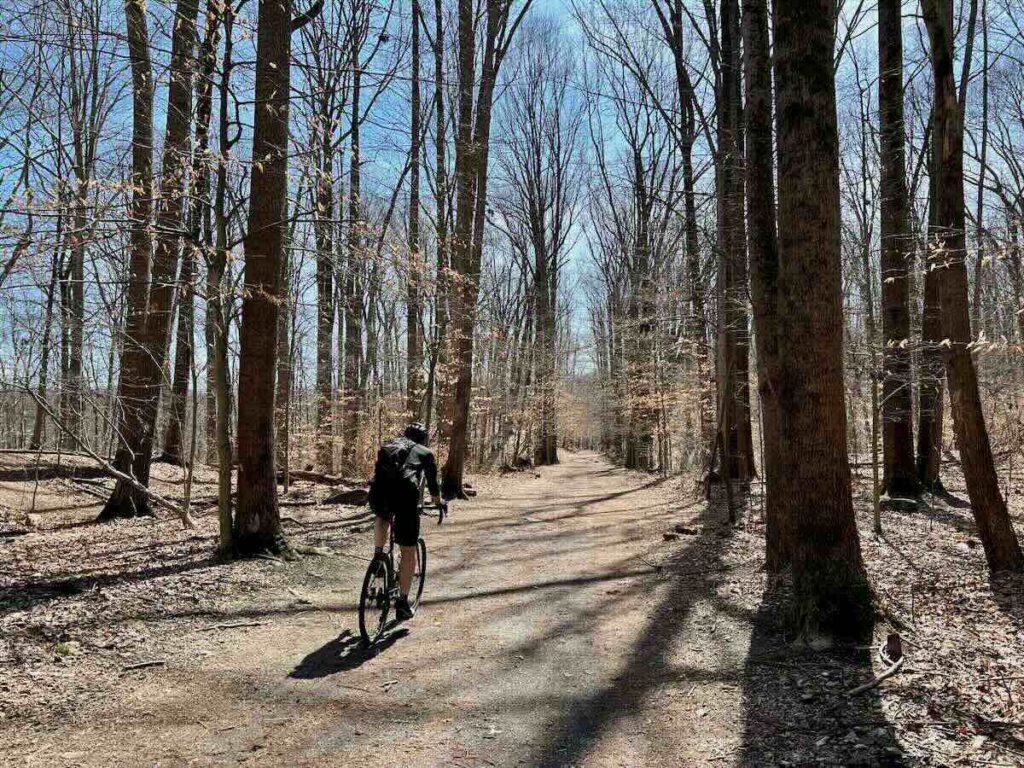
point(558, 628)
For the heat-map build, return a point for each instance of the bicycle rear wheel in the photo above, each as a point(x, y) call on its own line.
point(374, 601)
point(419, 576)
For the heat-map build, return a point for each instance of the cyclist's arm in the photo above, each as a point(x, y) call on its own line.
point(430, 474)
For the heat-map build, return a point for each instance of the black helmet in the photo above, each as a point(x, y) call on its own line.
point(417, 433)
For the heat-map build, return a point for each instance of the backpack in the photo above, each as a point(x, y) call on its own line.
point(391, 458)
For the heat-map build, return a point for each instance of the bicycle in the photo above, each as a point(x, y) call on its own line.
point(380, 584)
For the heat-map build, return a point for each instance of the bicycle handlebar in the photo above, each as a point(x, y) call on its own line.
point(426, 509)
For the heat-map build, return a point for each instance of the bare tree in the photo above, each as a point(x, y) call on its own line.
point(149, 346)
point(763, 248)
point(472, 146)
point(830, 585)
point(540, 199)
point(948, 259)
point(257, 523)
point(899, 475)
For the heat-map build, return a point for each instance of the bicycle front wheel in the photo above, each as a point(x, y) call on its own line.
point(374, 601)
point(419, 575)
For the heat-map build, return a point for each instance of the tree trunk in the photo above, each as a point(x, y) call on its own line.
point(173, 451)
point(414, 328)
point(282, 401)
point(352, 397)
point(38, 425)
point(257, 525)
point(218, 313)
point(830, 586)
point(465, 187)
point(763, 247)
point(325, 264)
point(131, 387)
point(733, 363)
point(438, 357)
point(139, 428)
point(932, 372)
point(472, 145)
point(949, 262)
point(899, 476)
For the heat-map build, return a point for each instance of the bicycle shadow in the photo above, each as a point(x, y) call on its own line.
point(345, 653)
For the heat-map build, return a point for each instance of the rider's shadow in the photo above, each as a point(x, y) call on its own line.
point(342, 654)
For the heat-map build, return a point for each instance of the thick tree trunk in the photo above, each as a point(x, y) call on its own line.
point(733, 362)
point(830, 586)
point(546, 441)
point(899, 475)
point(763, 247)
point(949, 262)
point(463, 293)
point(932, 372)
point(139, 428)
point(257, 524)
point(133, 364)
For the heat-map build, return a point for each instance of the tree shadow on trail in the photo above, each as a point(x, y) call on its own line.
point(796, 707)
point(343, 654)
point(649, 665)
point(794, 701)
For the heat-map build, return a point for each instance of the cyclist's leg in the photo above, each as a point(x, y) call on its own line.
point(381, 523)
point(407, 532)
point(406, 569)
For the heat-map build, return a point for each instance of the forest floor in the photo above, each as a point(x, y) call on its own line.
point(565, 622)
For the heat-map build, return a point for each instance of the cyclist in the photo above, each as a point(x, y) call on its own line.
point(402, 465)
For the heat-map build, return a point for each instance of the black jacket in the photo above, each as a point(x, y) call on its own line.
point(420, 465)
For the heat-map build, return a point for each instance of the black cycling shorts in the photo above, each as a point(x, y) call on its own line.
point(405, 518)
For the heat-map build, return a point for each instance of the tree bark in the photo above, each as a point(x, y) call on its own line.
point(325, 264)
point(36, 443)
point(899, 477)
point(414, 327)
point(932, 372)
point(949, 261)
point(830, 586)
point(133, 364)
point(134, 456)
point(763, 248)
point(438, 357)
point(352, 397)
point(173, 441)
point(257, 524)
point(472, 146)
point(733, 362)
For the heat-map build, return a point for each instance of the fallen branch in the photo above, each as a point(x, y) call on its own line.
point(878, 680)
point(232, 625)
point(892, 645)
point(144, 665)
point(318, 477)
point(107, 467)
point(94, 493)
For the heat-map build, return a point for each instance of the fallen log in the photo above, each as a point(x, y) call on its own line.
point(321, 478)
point(356, 497)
